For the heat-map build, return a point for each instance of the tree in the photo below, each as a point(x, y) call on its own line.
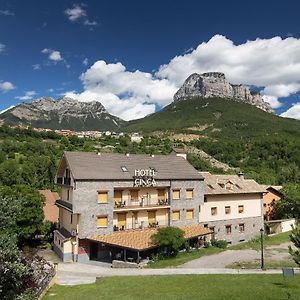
point(169, 238)
point(295, 238)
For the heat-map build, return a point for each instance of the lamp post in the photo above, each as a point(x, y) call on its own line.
point(262, 266)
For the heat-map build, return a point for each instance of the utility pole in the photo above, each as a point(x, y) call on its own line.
point(262, 266)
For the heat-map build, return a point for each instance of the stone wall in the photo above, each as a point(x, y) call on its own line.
point(252, 229)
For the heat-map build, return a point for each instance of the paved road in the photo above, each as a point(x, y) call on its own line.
point(75, 273)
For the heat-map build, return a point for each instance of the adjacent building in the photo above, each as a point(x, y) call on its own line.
point(50, 208)
point(232, 207)
point(273, 193)
point(111, 204)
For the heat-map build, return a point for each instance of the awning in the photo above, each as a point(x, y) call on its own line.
point(140, 239)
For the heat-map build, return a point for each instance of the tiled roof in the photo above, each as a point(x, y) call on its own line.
point(108, 166)
point(50, 209)
point(141, 239)
point(212, 184)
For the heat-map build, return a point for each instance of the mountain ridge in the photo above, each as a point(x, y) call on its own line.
point(64, 113)
point(215, 84)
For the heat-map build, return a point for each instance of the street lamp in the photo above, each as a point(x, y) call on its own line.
point(262, 266)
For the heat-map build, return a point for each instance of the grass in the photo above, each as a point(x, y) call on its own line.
point(269, 264)
point(183, 257)
point(224, 287)
point(268, 241)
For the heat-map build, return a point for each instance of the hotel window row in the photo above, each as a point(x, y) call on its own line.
point(214, 210)
point(189, 194)
point(189, 215)
point(228, 228)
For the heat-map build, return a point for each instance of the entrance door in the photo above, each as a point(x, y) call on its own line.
point(151, 217)
point(122, 221)
point(93, 251)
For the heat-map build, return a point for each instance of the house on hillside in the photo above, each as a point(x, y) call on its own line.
point(50, 208)
point(232, 207)
point(136, 138)
point(111, 204)
point(273, 194)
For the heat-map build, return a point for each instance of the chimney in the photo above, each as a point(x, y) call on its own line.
point(241, 175)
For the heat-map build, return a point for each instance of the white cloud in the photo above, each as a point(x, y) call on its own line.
point(85, 62)
point(6, 109)
point(2, 48)
point(6, 86)
point(36, 67)
point(129, 95)
point(27, 96)
point(78, 14)
point(292, 112)
point(53, 55)
point(270, 63)
point(6, 13)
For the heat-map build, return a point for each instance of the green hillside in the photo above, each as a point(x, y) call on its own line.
point(222, 118)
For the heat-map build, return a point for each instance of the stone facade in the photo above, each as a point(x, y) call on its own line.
point(252, 228)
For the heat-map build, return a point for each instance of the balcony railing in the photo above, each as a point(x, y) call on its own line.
point(141, 225)
point(141, 203)
point(63, 180)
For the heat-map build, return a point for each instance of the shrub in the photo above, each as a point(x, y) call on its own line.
point(219, 243)
point(171, 239)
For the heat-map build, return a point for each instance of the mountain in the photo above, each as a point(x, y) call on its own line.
point(65, 113)
point(215, 84)
point(216, 117)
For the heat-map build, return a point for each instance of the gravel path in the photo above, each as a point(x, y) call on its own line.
point(221, 260)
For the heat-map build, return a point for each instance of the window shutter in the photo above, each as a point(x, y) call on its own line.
point(102, 221)
point(102, 197)
point(189, 194)
point(189, 214)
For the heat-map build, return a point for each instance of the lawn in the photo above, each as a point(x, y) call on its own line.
point(223, 287)
point(184, 257)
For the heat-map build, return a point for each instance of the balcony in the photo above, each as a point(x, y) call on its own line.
point(140, 225)
point(140, 203)
point(63, 181)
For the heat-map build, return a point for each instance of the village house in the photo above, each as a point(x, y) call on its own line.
point(232, 207)
point(111, 204)
point(272, 194)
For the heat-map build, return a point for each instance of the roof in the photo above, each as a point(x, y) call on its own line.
point(276, 188)
point(50, 209)
point(64, 204)
point(141, 239)
point(108, 166)
point(212, 184)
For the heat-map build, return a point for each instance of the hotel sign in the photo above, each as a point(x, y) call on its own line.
point(144, 177)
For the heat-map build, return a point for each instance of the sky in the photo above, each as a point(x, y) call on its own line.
point(132, 56)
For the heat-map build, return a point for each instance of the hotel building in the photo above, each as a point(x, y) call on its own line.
point(111, 204)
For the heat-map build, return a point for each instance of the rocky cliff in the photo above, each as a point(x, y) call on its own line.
point(65, 113)
point(215, 84)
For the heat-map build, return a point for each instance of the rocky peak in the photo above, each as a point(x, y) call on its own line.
point(215, 84)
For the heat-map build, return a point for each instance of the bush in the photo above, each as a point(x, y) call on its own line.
point(219, 243)
point(171, 239)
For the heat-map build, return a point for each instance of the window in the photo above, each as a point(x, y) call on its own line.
point(71, 218)
point(124, 169)
point(227, 210)
point(102, 196)
point(228, 229)
point(213, 211)
point(118, 196)
point(205, 199)
point(228, 186)
point(161, 195)
point(241, 209)
point(205, 225)
point(189, 194)
point(176, 215)
point(176, 194)
point(102, 221)
point(212, 228)
point(68, 194)
point(241, 227)
point(189, 214)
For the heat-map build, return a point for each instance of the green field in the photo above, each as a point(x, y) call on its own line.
point(223, 287)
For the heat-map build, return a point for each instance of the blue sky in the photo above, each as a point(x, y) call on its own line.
point(123, 53)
